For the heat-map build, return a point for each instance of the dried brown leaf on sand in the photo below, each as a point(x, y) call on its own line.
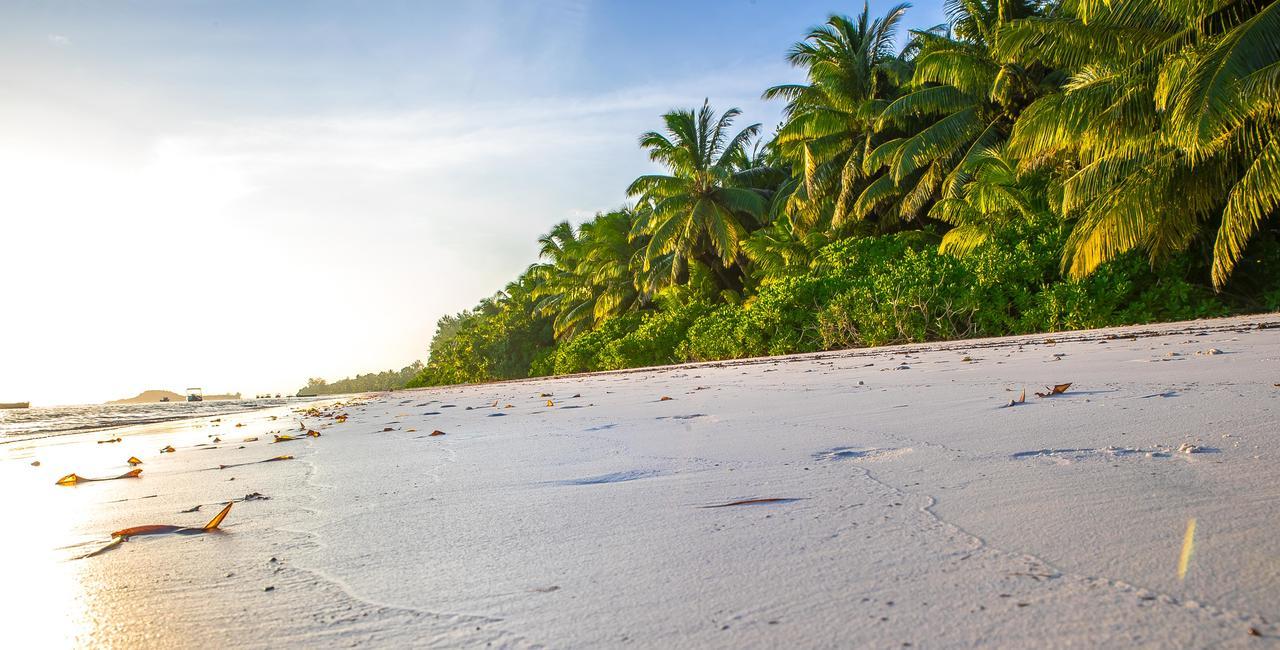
point(751, 502)
point(72, 479)
point(255, 462)
point(133, 460)
point(664, 398)
point(168, 449)
point(437, 432)
point(1022, 399)
point(120, 536)
point(1057, 389)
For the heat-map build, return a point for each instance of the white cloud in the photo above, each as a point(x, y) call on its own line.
point(58, 40)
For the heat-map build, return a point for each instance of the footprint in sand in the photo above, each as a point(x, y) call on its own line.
point(873, 454)
point(1068, 456)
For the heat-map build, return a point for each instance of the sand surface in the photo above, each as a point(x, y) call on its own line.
point(897, 503)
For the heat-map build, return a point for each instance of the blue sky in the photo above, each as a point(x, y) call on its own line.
point(302, 189)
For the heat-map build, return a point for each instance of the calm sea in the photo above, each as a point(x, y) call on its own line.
point(37, 422)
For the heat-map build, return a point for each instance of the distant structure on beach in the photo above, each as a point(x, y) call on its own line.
point(157, 396)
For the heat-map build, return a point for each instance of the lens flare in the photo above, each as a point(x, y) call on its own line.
point(1188, 547)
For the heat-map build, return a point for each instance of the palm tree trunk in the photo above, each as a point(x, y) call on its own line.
point(726, 278)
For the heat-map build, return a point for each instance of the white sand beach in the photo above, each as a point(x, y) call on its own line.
point(894, 501)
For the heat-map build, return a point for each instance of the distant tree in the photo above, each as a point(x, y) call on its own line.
point(388, 380)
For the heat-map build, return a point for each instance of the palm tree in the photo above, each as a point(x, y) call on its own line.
point(611, 262)
point(703, 208)
point(991, 196)
point(780, 250)
point(588, 274)
point(1168, 122)
point(961, 102)
point(851, 69)
point(559, 289)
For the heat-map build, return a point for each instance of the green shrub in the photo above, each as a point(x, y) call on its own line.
point(654, 341)
point(920, 296)
point(781, 319)
point(582, 352)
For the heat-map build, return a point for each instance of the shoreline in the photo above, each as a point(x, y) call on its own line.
point(862, 497)
point(10, 438)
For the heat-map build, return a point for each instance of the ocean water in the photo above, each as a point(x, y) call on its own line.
point(39, 422)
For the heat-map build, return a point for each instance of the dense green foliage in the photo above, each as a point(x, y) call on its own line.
point(1030, 166)
point(387, 380)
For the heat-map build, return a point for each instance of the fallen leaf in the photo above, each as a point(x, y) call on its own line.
point(285, 438)
point(1022, 399)
point(269, 460)
point(550, 403)
point(250, 439)
point(437, 432)
point(133, 460)
point(387, 429)
point(72, 479)
point(664, 398)
point(103, 442)
point(313, 434)
point(750, 502)
point(168, 449)
point(120, 536)
point(1055, 390)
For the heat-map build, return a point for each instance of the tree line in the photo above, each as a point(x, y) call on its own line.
point(374, 381)
point(1026, 166)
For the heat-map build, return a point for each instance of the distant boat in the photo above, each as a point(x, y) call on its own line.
point(15, 405)
point(195, 395)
